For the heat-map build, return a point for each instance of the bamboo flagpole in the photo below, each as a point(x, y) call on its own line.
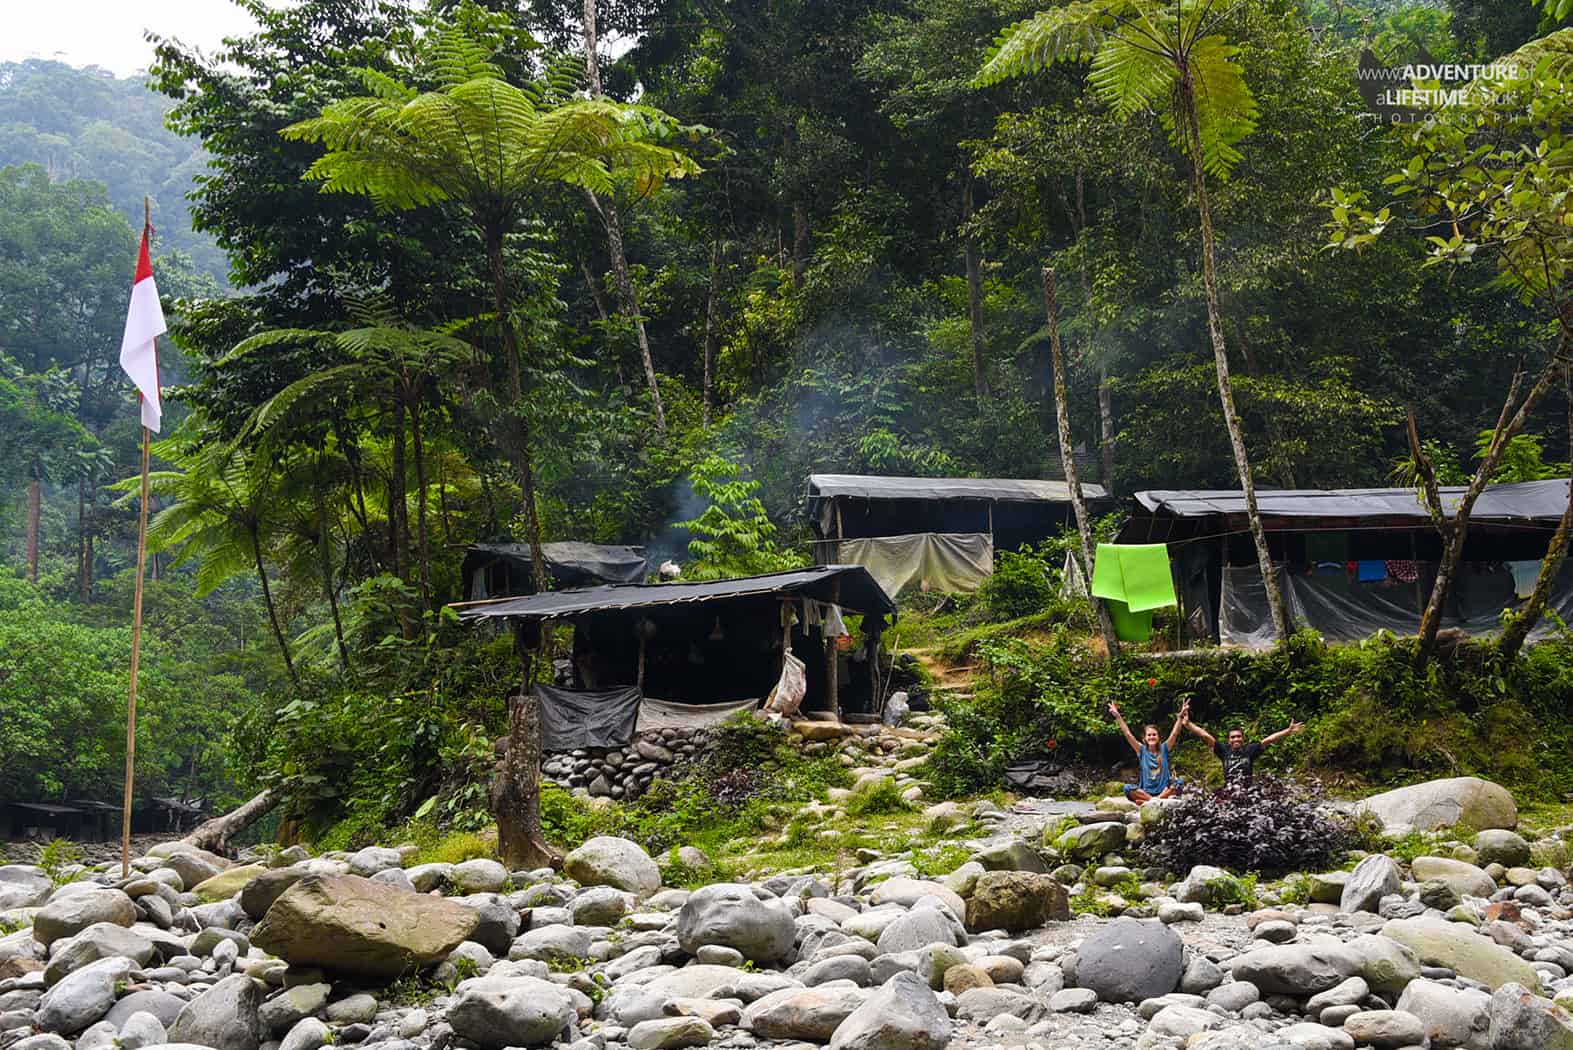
point(139, 358)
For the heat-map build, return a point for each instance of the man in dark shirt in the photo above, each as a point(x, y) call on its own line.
point(1237, 756)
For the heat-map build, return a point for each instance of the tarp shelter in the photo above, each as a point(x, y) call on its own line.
point(501, 570)
point(49, 820)
point(1352, 561)
point(680, 645)
point(935, 532)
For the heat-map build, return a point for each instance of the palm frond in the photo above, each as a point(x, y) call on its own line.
point(1070, 33)
point(1225, 107)
point(1551, 55)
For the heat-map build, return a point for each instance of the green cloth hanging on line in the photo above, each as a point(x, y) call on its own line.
point(1129, 626)
point(1136, 574)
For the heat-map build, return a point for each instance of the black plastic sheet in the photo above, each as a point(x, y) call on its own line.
point(575, 718)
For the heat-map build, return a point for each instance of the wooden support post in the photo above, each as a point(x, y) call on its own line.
point(832, 659)
point(639, 681)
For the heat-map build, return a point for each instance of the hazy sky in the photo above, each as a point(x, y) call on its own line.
point(108, 33)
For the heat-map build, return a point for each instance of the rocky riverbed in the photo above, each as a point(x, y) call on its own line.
point(1472, 947)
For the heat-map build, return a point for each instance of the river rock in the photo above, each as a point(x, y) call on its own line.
point(23, 886)
point(907, 892)
point(916, 929)
point(141, 1030)
point(83, 997)
point(1497, 846)
point(1016, 901)
point(902, 1014)
point(510, 1011)
point(480, 875)
point(1297, 969)
point(607, 860)
point(628, 1004)
point(285, 1010)
point(160, 1004)
point(1461, 877)
point(66, 915)
point(1451, 1017)
point(260, 893)
point(802, 1013)
point(1088, 841)
point(353, 925)
point(670, 1033)
point(228, 882)
point(102, 940)
point(1385, 1028)
point(1522, 1020)
point(1130, 960)
point(1373, 878)
point(730, 914)
point(224, 1017)
point(1444, 803)
point(1459, 948)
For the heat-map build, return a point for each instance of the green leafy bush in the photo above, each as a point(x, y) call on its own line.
point(884, 797)
point(1023, 583)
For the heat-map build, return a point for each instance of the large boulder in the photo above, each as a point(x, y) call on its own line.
point(1444, 803)
point(23, 886)
point(1386, 965)
point(1087, 841)
point(1300, 970)
point(1451, 1017)
point(1130, 960)
point(1373, 878)
point(1459, 948)
point(259, 893)
point(228, 882)
point(102, 940)
point(1507, 848)
point(1463, 878)
point(607, 860)
point(81, 998)
point(802, 1013)
point(628, 1004)
point(1522, 1020)
point(68, 914)
point(1016, 901)
point(729, 914)
point(224, 1017)
point(356, 926)
point(480, 875)
point(903, 1014)
point(916, 929)
point(510, 1011)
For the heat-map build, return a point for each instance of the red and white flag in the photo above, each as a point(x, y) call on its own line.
point(144, 323)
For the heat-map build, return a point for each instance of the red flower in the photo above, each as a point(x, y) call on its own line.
point(1050, 744)
point(1152, 681)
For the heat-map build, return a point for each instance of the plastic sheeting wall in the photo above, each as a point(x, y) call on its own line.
point(944, 561)
point(1354, 611)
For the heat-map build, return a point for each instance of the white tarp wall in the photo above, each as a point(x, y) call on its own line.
point(936, 561)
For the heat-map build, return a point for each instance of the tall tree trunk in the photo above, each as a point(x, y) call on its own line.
point(969, 251)
point(1062, 414)
point(351, 450)
point(799, 243)
point(598, 297)
point(712, 328)
point(1106, 429)
point(1517, 632)
point(613, 222)
point(83, 571)
point(422, 537)
point(1454, 532)
point(267, 600)
point(1231, 417)
point(515, 795)
point(35, 500)
point(398, 508)
point(325, 561)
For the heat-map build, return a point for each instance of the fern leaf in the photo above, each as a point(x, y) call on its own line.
point(1062, 34)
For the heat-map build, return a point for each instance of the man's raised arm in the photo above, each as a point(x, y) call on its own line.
point(1294, 727)
point(1210, 740)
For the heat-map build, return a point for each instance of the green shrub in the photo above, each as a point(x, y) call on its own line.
point(57, 855)
point(883, 797)
point(1022, 583)
point(1232, 889)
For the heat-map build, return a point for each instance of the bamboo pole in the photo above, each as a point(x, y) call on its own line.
point(136, 633)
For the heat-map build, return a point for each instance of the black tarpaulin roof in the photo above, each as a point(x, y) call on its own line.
point(858, 593)
point(876, 487)
point(569, 561)
point(1523, 502)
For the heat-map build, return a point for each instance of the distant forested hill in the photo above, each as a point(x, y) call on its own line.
point(90, 124)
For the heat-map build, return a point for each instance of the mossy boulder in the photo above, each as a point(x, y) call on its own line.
point(226, 884)
point(1016, 901)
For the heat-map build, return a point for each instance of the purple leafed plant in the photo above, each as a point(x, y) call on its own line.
point(1260, 824)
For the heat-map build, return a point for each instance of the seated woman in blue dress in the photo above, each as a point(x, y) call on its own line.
point(1155, 779)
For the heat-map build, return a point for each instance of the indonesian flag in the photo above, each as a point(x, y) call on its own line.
point(144, 323)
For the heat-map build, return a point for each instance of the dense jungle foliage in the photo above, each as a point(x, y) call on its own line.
point(814, 243)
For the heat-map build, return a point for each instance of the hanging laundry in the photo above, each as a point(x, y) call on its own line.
point(1129, 626)
point(1404, 570)
point(1525, 573)
point(1136, 574)
point(833, 625)
point(1372, 571)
